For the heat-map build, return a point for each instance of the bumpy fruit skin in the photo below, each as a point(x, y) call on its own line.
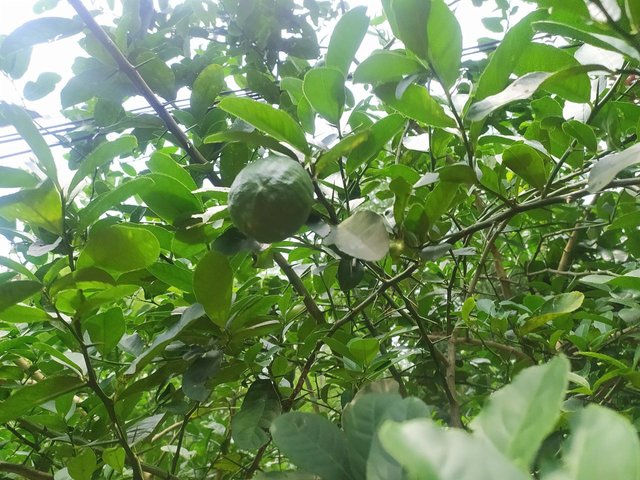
point(270, 199)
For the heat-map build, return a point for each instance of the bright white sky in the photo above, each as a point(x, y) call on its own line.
point(58, 57)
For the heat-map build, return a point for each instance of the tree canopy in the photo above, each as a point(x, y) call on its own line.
point(462, 303)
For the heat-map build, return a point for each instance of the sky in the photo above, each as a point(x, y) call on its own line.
point(58, 57)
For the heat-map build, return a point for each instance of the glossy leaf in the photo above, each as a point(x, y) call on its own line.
point(520, 89)
point(596, 39)
point(444, 47)
point(16, 178)
point(324, 89)
point(312, 443)
point(106, 329)
point(380, 134)
point(170, 199)
point(363, 235)
point(23, 124)
point(196, 378)
point(553, 308)
point(40, 207)
point(608, 167)
point(43, 86)
point(428, 452)
point(384, 66)
point(40, 30)
point(188, 317)
point(519, 416)
point(267, 119)
point(416, 103)
point(507, 56)
point(17, 291)
point(111, 199)
point(346, 38)
point(27, 397)
point(602, 444)
point(120, 248)
point(103, 154)
point(207, 86)
point(212, 285)
point(82, 466)
point(527, 163)
point(260, 407)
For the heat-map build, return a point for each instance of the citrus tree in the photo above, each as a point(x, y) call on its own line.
point(425, 267)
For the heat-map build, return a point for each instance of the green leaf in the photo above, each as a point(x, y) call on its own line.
point(103, 154)
point(120, 248)
point(379, 464)
point(106, 329)
point(206, 88)
point(23, 124)
point(596, 39)
point(346, 38)
point(267, 119)
point(213, 284)
point(16, 178)
point(250, 139)
point(156, 73)
point(114, 457)
point(82, 466)
point(111, 199)
point(608, 167)
point(23, 314)
point(343, 148)
point(602, 444)
point(188, 317)
point(633, 13)
point(312, 443)
point(17, 291)
point(527, 163)
point(540, 57)
point(162, 163)
point(260, 407)
point(39, 207)
point(197, 376)
point(40, 30)
point(364, 350)
point(520, 89)
point(363, 235)
point(416, 103)
point(173, 274)
point(583, 133)
point(324, 89)
point(553, 308)
point(519, 416)
point(43, 86)
point(384, 66)
point(428, 452)
point(23, 399)
point(507, 56)
point(410, 20)
point(444, 38)
point(380, 134)
point(361, 420)
point(170, 199)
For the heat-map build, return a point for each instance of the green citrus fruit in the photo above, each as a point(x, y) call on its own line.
point(270, 199)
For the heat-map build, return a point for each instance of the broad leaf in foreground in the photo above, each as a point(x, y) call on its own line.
point(518, 417)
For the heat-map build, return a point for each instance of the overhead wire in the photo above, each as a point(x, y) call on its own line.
point(59, 130)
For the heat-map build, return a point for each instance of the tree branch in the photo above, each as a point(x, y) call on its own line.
point(25, 471)
point(140, 85)
point(296, 282)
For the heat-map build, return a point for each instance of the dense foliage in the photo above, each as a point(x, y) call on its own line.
point(462, 303)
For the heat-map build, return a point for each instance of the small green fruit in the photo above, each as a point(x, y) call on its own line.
point(271, 199)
